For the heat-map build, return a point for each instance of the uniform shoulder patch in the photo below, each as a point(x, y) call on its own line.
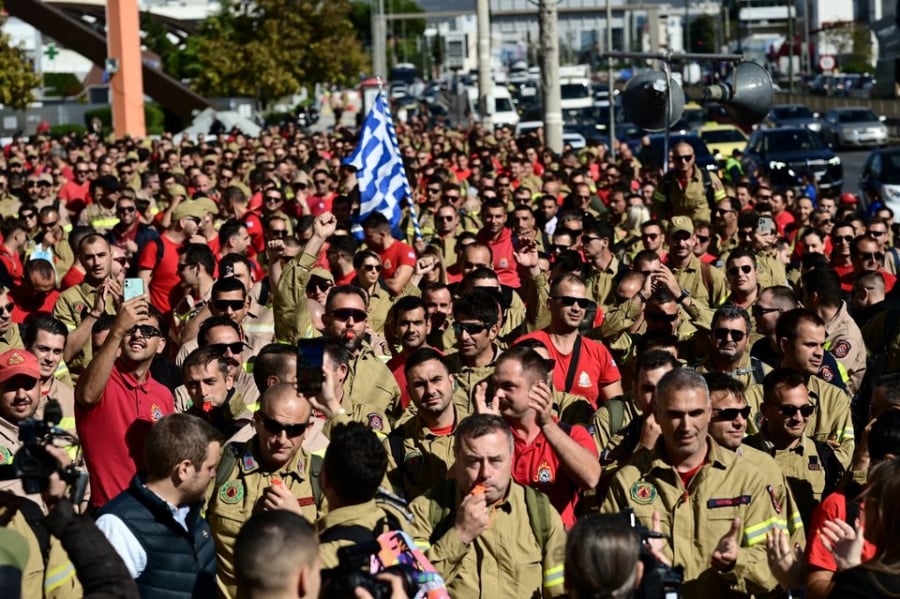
point(156, 413)
point(841, 348)
point(776, 505)
point(231, 492)
point(826, 373)
point(643, 493)
point(375, 422)
point(413, 461)
point(6, 456)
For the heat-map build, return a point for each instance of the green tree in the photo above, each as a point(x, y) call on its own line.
point(406, 33)
point(17, 76)
point(270, 48)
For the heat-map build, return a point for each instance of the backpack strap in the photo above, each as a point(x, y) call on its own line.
point(228, 462)
point(160, 249)
point(398, 450)
point(573, 365)
point(616, 408)
point(756, 367)
point(538, 506)
point(35, 518)
point(707, 187)
point(834, 470)
point(315, 473)
point(706, 278)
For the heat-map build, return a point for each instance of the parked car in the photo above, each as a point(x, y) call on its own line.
point(723, 140)
point(786, 153)
point(879, 180)
point(856, 126)
point(792, 115)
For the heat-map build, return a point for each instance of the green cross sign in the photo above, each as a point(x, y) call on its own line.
point(51, 52)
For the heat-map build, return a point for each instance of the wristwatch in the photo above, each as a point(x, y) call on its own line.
point(684, 295)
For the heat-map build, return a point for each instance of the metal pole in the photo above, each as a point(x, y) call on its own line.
point(667, 72)
point(805, 53)
point(379, 56)
point(609, 71)
point(687, 26)
point(547, 18)
point(485, 83)
point(790, 36)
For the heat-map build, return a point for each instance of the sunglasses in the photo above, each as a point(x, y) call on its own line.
point(82, 171)
point(348, 313)
point(125, 209)
point(721, 211)
point(702, 238)
point(877, 233)
point(220, 348)
point(650, 236)
point(222, 305)
point(722, 334)
point(472, 328)
point(731, 414)
point(744, 268)
point(760, 311)
point(29, 215)
point(445, 218)
point(662, 317)
point(320, 285)
point(300, 186)
point(146, 330)
point(8, 308)
point(568, 301)
point(587, 239)
point(684, 157)
point(433, 189)
point(371, 267)
point(276, 428)
point(273, 199)
point(122, 260)
point(876, 256)
point(278, 233)
point(50, 225)
point(842, 238)
point(791, 411)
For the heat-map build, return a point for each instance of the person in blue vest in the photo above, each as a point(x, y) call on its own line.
point(155, 525)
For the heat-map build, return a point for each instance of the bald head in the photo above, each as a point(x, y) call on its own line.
point(282, 397)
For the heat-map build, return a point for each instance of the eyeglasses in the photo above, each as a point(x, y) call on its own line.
point(445, 217)
point(371, 267)
point(8, 308)
point(662, 317)
point(722, 334)
point(50, 225)
point(876, 256)
point(221, 305)
point(472, 328)
point(731, 414)
point(221, 348)
point(721, 211)
point(433, 189)
point(348, 313)
point(791, 411)
point(684, 157)
point(125, 209)
point(649, 236)
point(842, 238)
point(744, 268)
point(320, 284)
point(273, 199)
point(278, 233)
point(877, 233)
point(761, 311)
point(824, 221)
point(82, 171)
point(121, 260)
point(568, 301)
point(276, 428)
point(29, 215)
point(586, 239)
point(146, 330)
point(702, 238)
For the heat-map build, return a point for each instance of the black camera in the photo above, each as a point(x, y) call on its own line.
point(659, 581)
point(33, 465)
point(352, 572)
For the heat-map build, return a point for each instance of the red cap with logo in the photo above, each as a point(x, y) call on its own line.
point(18, 361)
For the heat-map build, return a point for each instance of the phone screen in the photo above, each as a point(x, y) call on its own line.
point(310, 353)
point(133, 288)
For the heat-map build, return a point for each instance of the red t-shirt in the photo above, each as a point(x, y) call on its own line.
point(505, 264)
point(13, 265)
point(833, 507)
point(112, 432)
point(26, 306)
point(536, 465)
point(72, 277)
point(254, 226)
point(783, 220)
point(397, 366)
point(399, 254)
point(596, 367)
point(165, 271)
point(319, 204)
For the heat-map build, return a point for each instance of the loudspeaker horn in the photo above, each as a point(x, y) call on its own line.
point(644, 100)
point(748, 97)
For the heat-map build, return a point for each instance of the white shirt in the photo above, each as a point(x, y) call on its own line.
point(127, 545)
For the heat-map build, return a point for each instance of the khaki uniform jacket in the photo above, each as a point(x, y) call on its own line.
point(427, 459)
point(846, 344)
point(601, 284)
point(607, 440)
point(292, 317)
point(801, 466)
point(691, 278)
point(236, 499)
point(694, 519)
point(369, 381)
point(690, 201)
point(100, 218)
point(12, 338)
point(504, 561)
point(71, 307)
point(447, 248)
point(368, 515)
point(467, 377)
point(55, 580)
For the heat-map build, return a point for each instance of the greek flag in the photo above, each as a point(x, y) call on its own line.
point(379, 168)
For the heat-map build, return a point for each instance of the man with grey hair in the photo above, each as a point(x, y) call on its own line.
point(712, 508)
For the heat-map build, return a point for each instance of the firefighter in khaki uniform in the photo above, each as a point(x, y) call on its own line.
point(706, 284)
point(270, 471)
point(683, 192)
point(485, 534)
point(714, 508)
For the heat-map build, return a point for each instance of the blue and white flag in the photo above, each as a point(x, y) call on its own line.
point(379, 168)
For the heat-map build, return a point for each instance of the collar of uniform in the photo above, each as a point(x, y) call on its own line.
point(349, 514)
point(8, 429)
point(505, 504)
point(129, 379)
point(87, 289)
point(716, 455)
point(420, 431)
point(296, 466)
point(841, 314)
point(495, 350)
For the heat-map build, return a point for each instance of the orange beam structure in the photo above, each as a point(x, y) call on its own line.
point(127, 84)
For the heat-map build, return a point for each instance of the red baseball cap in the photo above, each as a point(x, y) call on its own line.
point(18, 361)
point(849, 198)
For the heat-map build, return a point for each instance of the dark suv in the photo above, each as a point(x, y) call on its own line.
point(786, 153)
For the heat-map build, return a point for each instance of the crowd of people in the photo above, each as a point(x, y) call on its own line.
point(547, 342)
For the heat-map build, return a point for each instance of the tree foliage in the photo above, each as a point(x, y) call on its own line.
point(271, 48)
point(17, 76)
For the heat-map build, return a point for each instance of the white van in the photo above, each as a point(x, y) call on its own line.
point(504, 112)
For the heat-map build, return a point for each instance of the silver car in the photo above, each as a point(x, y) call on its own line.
point(857, 126)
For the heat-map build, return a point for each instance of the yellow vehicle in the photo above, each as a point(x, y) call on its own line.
point(722, 140)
